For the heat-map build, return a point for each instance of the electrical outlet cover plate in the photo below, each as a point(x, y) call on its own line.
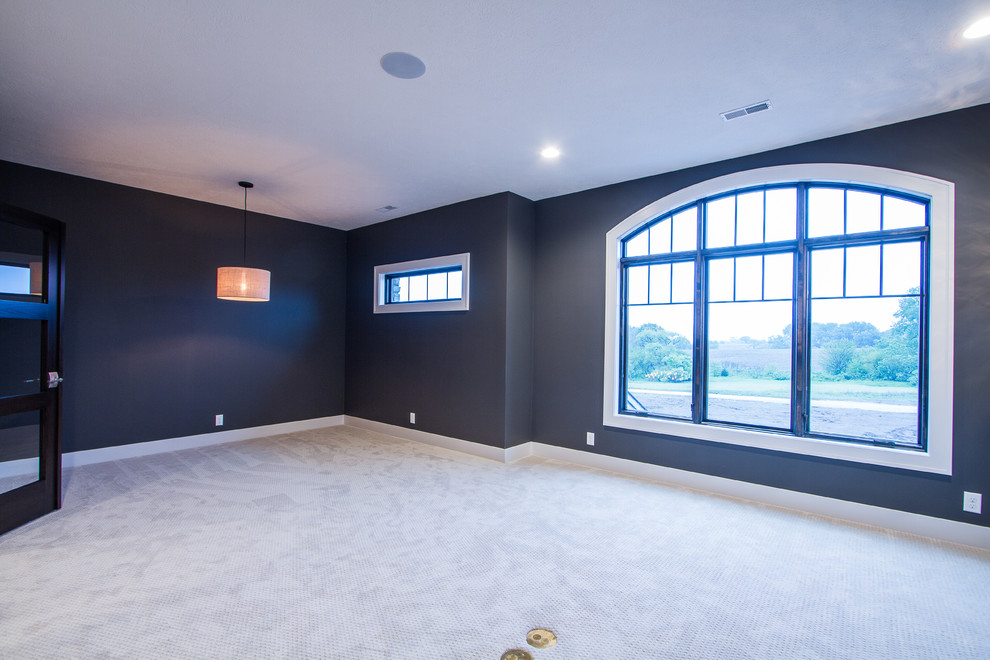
point(973, 502)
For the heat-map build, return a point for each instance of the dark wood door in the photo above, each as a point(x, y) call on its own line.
point(31, 283)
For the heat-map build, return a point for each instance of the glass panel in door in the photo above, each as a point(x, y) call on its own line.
point(20, 450)
point(22, 260)
point(20, 356)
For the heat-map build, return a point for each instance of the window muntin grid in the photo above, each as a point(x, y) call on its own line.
point(422, 286)
point(838, 241)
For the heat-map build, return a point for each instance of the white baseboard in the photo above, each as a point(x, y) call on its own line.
point(513, 454)
point(89, 456)
point(864, 514)
point(463, 446)
point(901, 521)
point(21, 467)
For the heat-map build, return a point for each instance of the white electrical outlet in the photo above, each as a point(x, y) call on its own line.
point(219, 420)
point(591, 438)
point(973, 502)
point(412, 418)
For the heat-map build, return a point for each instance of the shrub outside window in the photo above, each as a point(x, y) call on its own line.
point(802, 308)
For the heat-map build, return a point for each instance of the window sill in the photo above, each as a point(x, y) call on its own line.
point(894, 457)
point(437, 306)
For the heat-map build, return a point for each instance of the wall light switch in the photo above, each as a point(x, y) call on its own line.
point(219, 420)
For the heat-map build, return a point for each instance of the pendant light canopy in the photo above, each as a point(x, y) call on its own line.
point(240, 282)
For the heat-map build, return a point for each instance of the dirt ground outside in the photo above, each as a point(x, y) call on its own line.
point(857, 422)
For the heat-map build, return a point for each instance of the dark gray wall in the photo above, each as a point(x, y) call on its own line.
point(460, 372)
point(569, 325)
point(520, 269)
point(150, 353)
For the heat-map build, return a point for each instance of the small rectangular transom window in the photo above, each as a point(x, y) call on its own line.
point(439, 284)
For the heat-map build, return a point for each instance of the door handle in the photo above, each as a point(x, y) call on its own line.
point(53, 379)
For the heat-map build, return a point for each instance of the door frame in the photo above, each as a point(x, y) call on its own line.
point(33, 500)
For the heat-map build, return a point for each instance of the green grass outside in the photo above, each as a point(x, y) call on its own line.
point(847, 390)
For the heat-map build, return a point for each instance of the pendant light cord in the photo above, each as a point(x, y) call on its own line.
point(245, 185)
point(245, 226)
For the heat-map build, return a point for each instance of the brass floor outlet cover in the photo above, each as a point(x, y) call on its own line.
point(540, 638)
point(516, 654)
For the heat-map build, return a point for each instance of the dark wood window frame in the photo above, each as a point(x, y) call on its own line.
point(802, 247)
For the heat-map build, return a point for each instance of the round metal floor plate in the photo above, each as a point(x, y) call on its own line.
point(540, 638)
point(516, 654)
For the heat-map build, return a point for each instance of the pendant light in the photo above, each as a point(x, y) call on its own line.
point(240, 282)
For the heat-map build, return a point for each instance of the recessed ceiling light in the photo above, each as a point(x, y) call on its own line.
point(550, 152)
point(403, 65)
point(980, 28)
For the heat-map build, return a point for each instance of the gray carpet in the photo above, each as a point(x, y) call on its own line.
point(342, 543)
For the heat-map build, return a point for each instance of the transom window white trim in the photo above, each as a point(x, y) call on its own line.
point(937, 458)
point(463, 261)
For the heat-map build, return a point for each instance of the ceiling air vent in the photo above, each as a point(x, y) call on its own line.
point(748, 110)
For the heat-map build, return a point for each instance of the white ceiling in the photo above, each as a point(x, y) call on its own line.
point(187, 97)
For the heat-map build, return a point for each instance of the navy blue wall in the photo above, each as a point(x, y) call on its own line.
point(150, 353)
point(569, 328)
point(520, 269)
point(460, 372)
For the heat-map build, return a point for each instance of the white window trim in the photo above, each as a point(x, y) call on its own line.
point(938, 457)
point(463, 260)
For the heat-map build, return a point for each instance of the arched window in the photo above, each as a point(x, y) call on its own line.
point(799, 308)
